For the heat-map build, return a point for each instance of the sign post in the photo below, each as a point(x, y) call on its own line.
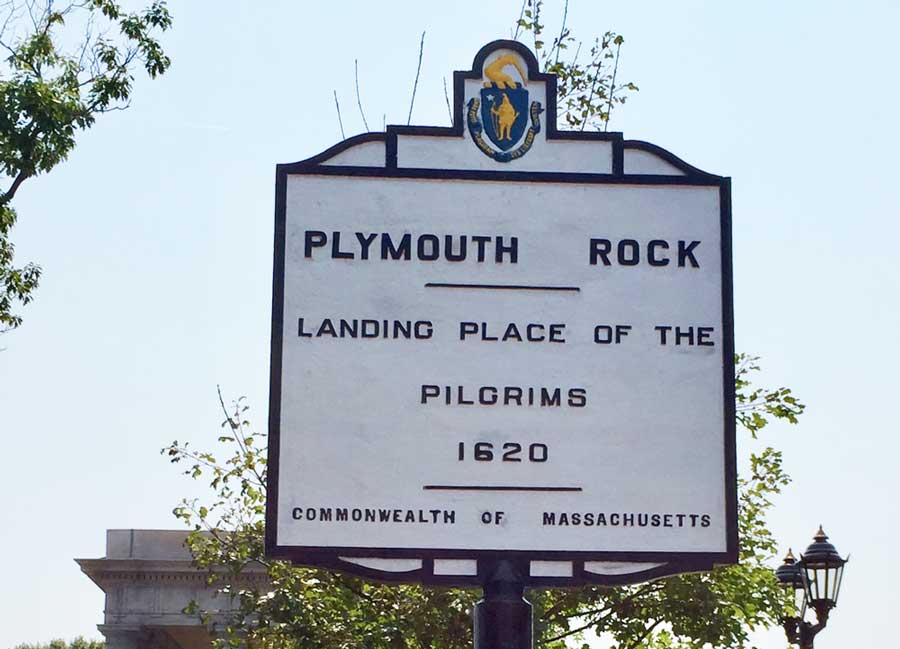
point(502, 354)
point(503, 619)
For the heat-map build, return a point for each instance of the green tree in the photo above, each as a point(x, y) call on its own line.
point(77, 643)
point(49, 92)
point(587, 85)
point(312, 608)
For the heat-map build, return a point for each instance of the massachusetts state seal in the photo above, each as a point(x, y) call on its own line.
point(503, 113)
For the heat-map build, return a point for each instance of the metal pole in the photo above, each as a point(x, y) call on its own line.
point(503, 617)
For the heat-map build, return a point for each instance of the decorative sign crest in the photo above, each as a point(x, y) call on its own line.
point(551, 383)
point(505, 111)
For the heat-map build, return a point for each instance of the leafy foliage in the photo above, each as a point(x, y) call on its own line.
point(311, 608)
point(303, 607)
point(587, 88)
point(77, 643)
point(755, 405)
point(48, 94)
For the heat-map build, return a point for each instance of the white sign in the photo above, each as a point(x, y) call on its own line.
point(472, 360)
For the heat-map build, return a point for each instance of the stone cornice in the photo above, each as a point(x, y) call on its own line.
point(105, 572)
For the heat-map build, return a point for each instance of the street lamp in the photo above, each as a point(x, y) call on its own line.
point(815, 582)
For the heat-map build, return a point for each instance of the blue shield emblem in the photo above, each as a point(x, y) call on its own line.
point(504, 114)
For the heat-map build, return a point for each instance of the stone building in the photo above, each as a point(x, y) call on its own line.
point(148, 579)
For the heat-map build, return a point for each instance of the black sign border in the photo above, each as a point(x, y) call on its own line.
point(329, 557)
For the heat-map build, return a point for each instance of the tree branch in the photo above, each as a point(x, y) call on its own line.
point(21, 177)
point(585, 627)
point(612, 89)
point(591, 95)
point(337, 105)
point(646, 632)
point(518, 26)
point(342, 580)
point(412, 100)
point(358, 100)
point(447, 99)
point(12, 14)
point(562, 33)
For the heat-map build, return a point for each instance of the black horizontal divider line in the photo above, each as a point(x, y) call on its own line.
point(457, 487)
point(504, 287)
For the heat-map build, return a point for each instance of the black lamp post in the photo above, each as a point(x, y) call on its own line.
point(815, 581)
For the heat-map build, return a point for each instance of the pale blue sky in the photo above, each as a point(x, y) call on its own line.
point(156, 235)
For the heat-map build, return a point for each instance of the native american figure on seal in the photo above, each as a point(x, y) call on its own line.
point(506, 116)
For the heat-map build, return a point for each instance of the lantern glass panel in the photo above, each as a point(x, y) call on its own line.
point(823, 582)
point(800, 601)
point(838, 580)
point(813, 583)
